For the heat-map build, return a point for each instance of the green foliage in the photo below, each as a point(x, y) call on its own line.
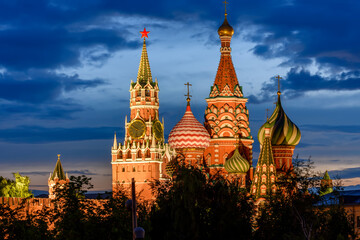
point(17, 188)
point(297, 213)
point(197, 206)
point(194, 206)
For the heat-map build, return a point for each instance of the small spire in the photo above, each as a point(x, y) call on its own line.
point(278, 78)
point(188, 93)
point(144, 73)
point(58, 157)
point(115, 142)
point(225, 3)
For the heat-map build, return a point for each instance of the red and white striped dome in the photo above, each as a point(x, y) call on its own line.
point(189, 132)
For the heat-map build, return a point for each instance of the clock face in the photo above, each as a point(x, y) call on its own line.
point(137, 129)
point(158, 130)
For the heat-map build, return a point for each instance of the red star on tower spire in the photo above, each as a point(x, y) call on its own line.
point(144, 34)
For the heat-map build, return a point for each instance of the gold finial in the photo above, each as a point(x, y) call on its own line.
point(267, 114)
point(188, 91)
point(278, 78)
point(225, 3)
point(58, 156)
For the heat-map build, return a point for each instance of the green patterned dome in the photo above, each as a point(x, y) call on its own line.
point(283, 130)
point(170, 168)
point(236, 164)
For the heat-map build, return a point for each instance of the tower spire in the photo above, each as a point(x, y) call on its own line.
point(226, 75)
point(58, 171)
point(278, 79)
point(144, 73)
point(115, 145)
point(188, 93)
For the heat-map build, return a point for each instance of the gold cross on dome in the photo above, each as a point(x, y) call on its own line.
point(225, 3)
point(267, 114)
point(58, 156)
point(278, 78)
point(188, 91)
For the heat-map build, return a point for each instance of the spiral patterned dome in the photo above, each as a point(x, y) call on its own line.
point(237, 164)
point(283, 130)
point(189, 133)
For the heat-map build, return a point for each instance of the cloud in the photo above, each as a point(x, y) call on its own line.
point(298, 81)
point(37, 134)
point(346, 173)
point(40, 86)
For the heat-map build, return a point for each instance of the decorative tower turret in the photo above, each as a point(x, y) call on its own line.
point(263, 184)
point(189, 137)
point(285, 135)
point(57, 177)
point(326, 185)
point(226, 115)
point(141, 155)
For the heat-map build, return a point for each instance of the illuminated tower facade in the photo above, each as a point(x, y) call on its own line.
point(58, 176)
point(226, 115)
point(264, 182)
point(143, 151)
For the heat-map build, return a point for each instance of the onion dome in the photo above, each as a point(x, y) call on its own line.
point(225, 29)
point(236, 164)
point(189, 132)
point(170, 168)
point(283, 130)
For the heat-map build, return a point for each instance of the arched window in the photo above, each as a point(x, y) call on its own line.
point(123, 169)
point(134, 169)
point(272, 178)
point(147, 92)
point(139, 93)
point(263, 178)
point(263, 190)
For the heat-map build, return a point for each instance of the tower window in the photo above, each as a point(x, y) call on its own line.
point(134, 169)
point(123, 169)
point(147, 93)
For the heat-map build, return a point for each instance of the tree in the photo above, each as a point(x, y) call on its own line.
point(195, 205)
point(17, 188)
point(297, 211)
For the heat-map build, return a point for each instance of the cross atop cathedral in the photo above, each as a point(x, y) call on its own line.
point(225, 3)
point(59, 156)
point(267, 114)
point(188, 91)
point(278, 78)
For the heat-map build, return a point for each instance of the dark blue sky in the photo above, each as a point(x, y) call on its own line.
point(66, 67)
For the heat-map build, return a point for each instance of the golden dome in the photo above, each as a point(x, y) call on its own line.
point(225, 29)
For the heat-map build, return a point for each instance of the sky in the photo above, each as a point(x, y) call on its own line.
point(66, 67)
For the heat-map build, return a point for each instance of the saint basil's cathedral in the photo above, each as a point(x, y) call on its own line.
point(223, 143)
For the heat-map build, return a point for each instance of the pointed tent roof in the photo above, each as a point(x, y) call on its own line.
point(226, 74)
point(144, 73)
point(58, 171)
point(326, 176)
point(264, 186)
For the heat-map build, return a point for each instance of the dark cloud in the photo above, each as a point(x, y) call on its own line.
point(40, 86)
point(36, 134)
point(346, 173)
point(299, 81)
